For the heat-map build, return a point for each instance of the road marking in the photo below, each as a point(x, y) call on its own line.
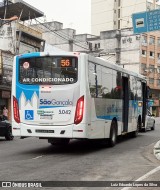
point(37, 157)
point(144, 176)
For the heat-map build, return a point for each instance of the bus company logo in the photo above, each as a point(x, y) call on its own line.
point(25, 65)
point(54, 102)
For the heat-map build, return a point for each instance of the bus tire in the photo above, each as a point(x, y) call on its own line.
point(9, 135)
point(139, 124)
point(113, 134)
point(59, 142)
point(153, 127)
point(135, 133)
point(144, 130)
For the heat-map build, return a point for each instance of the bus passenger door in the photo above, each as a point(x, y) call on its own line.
point(125, 104)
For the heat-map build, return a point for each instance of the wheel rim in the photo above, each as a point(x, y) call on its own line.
point(113, 135)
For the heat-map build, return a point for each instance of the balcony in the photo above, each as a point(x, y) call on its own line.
point(30, 31)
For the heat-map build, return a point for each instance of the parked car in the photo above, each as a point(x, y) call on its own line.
point(150, 122)
point(5, 129)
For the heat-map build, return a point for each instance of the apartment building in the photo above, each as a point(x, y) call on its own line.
point(150, 65)
point(117, 14)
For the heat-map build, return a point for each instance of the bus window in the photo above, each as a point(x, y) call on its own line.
point(48, 70)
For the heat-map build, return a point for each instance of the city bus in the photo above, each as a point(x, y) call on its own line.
point(61, 96)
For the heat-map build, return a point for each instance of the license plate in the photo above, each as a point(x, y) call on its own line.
point(44, 131)
point(45, 116)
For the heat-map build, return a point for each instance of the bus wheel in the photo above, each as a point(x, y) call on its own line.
point(153, 127)
point(144, 130)
point(59, 142)
point(135, 133)
point(9, 135)
point(113, 134)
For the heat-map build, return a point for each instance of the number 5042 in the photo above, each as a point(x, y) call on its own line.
point(64, 111)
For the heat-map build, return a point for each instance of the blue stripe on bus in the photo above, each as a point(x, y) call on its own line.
point(108, 117)
point(28, 92)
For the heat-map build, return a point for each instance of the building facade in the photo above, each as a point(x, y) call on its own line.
point(150, 66)
point(117, 14)
point(16, 37)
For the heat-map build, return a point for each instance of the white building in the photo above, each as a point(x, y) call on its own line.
point(116, 14)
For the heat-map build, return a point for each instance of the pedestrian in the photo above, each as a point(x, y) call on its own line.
point(5, 113)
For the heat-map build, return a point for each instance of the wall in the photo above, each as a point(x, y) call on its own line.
point(102, 15)
point(6, 37)
point(105, 13)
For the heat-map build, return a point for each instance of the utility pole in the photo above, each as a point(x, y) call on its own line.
point(71, 45)
point(118, 47)
point(5, 7)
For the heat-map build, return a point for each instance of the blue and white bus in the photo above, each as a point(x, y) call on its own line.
point(62, 96)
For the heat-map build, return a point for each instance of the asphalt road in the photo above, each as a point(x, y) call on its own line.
point(32, 159)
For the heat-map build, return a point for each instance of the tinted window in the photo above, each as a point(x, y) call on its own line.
point(48, 70)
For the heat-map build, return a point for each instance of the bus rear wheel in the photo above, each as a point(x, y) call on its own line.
point(113, 134)
point(135, 133)
point(153, 127)
point(59, 142)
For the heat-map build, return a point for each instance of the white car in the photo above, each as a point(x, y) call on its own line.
point(150, 122)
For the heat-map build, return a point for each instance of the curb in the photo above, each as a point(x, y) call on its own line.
point(157, 150)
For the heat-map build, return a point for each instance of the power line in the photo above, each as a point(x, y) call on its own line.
point(61, 36)
point(67, 36)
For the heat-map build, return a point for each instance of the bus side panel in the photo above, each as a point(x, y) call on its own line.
point(132, 123)
point(94, 125)
point(97, 125)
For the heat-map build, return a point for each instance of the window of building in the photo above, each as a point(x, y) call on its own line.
point(119, 3)
point(151, 81)
point(119, 24)
point(143, 67)
point(144, 39)
point(158, 42)
point(151, 54)
point(158, 56)
point(152, 40)
point(158, 82)
point(119, 13)
point(158, 69)
point(151, 68)
point(143, 52)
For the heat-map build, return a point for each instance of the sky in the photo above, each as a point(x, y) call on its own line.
point(74, 14)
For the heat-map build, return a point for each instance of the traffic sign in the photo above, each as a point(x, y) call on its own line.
point(150, 103)
point(146, 21)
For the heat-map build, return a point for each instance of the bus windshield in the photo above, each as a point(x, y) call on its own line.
point(48, 70)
